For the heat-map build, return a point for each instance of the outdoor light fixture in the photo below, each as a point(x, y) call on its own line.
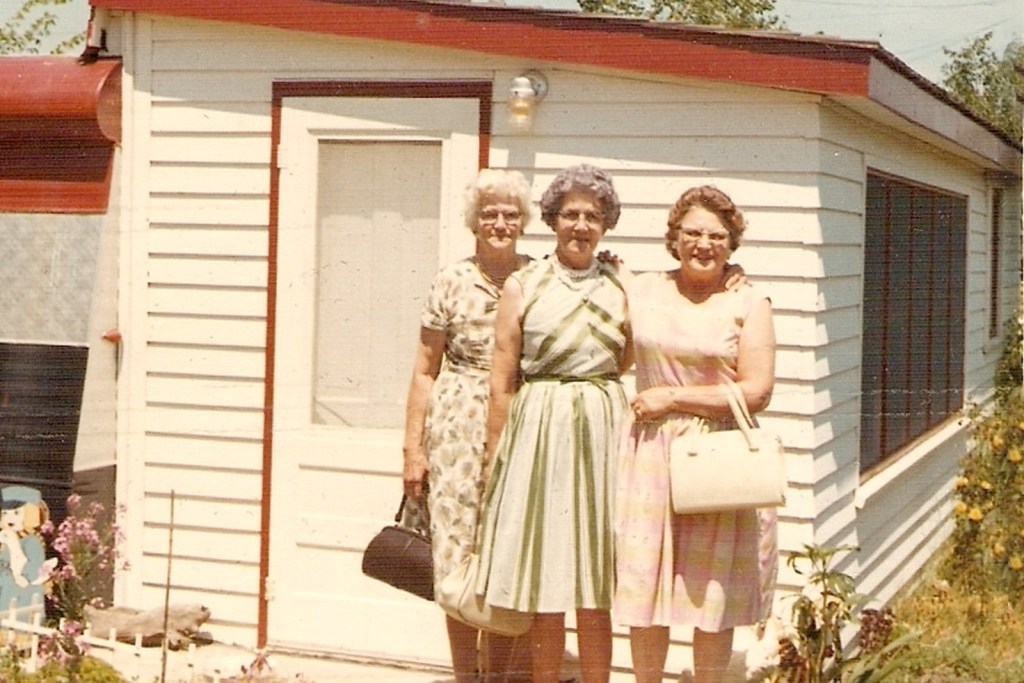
point(527, 90)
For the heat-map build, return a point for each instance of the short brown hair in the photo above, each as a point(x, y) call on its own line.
point(712, 199)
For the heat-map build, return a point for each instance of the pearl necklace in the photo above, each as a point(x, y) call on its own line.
point(576, 274)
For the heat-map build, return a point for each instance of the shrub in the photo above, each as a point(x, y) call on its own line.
point(815, 651)
point(86, 545)
point(89, 670)
point(988, 537)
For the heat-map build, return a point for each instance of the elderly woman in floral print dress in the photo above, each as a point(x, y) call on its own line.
point(446, 413)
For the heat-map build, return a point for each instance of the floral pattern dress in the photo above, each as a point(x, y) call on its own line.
point(462, 304)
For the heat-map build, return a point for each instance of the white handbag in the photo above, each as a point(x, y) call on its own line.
point(457, 595)
point(732, 469)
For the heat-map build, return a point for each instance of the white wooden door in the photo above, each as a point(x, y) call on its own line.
point(370, 206)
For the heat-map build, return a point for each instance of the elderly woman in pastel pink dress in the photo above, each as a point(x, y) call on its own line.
point(710, 572)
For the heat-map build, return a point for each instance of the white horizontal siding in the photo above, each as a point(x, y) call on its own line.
point(207, 482)
point(191, 299)
point(205, 148)
point(185, 450)
point(205, 391)
point(204, 513)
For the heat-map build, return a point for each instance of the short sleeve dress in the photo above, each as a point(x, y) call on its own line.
point(710, 571)
point(462, 304)
point(546, 535)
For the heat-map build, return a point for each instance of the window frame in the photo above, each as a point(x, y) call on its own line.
point(914, 299)
point(995, 322)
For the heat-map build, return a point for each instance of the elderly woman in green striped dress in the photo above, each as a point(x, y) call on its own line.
point(555, 413)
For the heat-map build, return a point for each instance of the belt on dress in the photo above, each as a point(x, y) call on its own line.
point(563, 379)
point(464, 365)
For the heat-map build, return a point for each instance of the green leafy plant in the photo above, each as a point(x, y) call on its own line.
point(815, 650)
point(987, 83)
point(88, 670)
point(31, 24)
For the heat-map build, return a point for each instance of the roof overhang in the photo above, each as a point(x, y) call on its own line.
point(59, 123)
point(844, 69)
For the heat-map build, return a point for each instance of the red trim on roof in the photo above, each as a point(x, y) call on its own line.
point(59, 122)
point(779, 60)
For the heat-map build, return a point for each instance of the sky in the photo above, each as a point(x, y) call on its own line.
point(916, 31)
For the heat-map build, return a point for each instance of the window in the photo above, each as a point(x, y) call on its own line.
point(994, 325)
point(913, 335)
point(377, 241)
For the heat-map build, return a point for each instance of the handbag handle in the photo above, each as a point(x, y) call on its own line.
point(401, 508)
point(738, 405)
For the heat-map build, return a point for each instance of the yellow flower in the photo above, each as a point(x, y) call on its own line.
point(1020, 425)
point(1013, 455)
point(998, 550)
point(961, 482)
point(997, 442)
point(961, 508)
point(1016, 563)
point(975, 515)
point(985, 485)
point(1022, 533)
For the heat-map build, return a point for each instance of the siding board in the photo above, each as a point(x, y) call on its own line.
point(222, 270)
point(227, 117)
point(197, 300)
point(213, 241)
point(204, 148)
point(202, 575)
point(205, 391)
point(227, 362)
point(203, 544)
point(177, 329)
point(209, 210)
point(211, 514)
point(199, 452)
point(222, 421)
point(212, 178)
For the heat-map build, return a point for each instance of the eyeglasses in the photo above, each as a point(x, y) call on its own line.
point(491, 216)
point(716, 238)
point(592, 218)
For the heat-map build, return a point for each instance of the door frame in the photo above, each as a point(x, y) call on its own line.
point(482, 91)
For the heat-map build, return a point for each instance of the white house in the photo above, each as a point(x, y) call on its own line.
point(289, 178)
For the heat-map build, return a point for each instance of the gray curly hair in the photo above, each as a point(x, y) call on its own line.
point(581, 178)
point(497, 182)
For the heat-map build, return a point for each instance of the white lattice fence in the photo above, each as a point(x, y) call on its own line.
point(23, 629)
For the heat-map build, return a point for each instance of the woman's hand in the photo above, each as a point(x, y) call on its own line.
point(609, 257)
point(734, 277)
point(653, 404)
point(414, 472)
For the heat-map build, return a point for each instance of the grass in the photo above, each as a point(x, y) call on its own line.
point(964, 637)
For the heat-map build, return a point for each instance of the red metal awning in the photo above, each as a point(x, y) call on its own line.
point(59, 123)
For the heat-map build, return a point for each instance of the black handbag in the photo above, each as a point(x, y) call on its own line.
point(401, 557)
